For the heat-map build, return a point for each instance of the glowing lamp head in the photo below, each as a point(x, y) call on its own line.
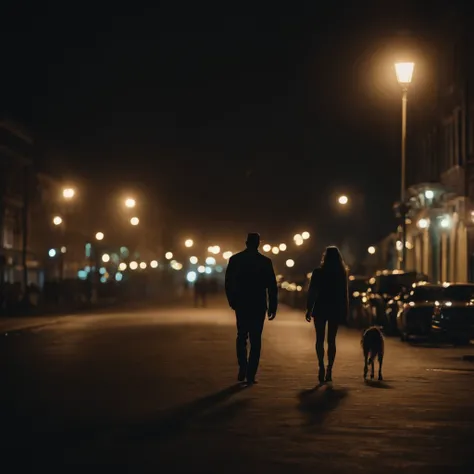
point(290, 263)
point(371, 250)
point(99, 236)
point(282, 247)
point(445, 223)
point(189, 243)
point(134, 221)
point(169, 255)
point(130, 203)
point(193, 260)
point(106, 258)
point(423, 223)
point(57, 220)
point(404, 72)
point(275, 250)
point(68, 193)
point(267, 247)
point(154, 264)
point(343, 200)
point(305, 235)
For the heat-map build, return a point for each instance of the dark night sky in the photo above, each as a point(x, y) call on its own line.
point(240, 116)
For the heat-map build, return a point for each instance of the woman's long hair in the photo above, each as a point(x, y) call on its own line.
point(333, 263)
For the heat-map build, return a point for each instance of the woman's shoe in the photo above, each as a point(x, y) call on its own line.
point(321, 375)
point(329, 374)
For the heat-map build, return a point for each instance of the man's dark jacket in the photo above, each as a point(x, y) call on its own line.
point(248, 278)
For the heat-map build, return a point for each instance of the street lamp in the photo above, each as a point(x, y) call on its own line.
point(305, 235)
point(290, 263)
point(282, 247)
point(275, 250)
point(99, 236)
point(189, 243)
point(169, 255)
point(404, 72)
point(371, 250)
point(343, 200)
point(193, 260)
point(68, 193)
point(130, 203)
point(267, 248)
point(423, 223)
point(134, 221)
point(57, 220)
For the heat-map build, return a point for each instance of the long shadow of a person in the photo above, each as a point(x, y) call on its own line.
point(174, 421)
point(317, 402)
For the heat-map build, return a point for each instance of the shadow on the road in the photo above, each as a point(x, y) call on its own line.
point(176, 420)
point(316, 403)
point(377, 384)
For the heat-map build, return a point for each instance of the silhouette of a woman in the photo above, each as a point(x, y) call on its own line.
point(328, 304)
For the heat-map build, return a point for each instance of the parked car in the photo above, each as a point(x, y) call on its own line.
point(359, 311)
point(453, 318)
point(415, 316)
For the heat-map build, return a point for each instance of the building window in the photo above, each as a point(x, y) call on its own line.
point(8, 236)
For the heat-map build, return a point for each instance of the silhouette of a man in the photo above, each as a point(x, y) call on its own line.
point(249, 277)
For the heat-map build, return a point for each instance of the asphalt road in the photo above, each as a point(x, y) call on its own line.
point(155, 391)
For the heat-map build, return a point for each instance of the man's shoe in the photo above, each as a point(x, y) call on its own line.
point(241, 375)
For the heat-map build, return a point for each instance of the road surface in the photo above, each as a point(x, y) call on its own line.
point(155, 391)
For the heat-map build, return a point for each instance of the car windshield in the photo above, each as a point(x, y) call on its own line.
point(459, 293)
point(426, 293)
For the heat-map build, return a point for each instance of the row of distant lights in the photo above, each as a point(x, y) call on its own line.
point(298, 239)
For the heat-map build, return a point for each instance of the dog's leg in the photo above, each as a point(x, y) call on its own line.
point(380, 367)
point(372, 368)
point(366, 368)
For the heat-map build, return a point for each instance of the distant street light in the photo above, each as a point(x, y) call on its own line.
point(290, 263)
point(305, 235)
point(57, 220)
point(133, 265)
point(122, 266)
point(106, 257)
point(275, 250)
point(445, 222)
point(130, 203)
point(227, 255)
point(423, 223)
point(201, 269)
point(343, 200)
point(267, 248)
point(169, 255)
point(371, 250)
point(52, 253)
point(134, 221)
point(142, 265)
point(404, 72)
point(68, 193)
point(283, 247)
point(210, 261)
point(298, 237)
point(193, 260)
point(429, 194)
point(189, 243)
point(154, 264)
point(99, 236)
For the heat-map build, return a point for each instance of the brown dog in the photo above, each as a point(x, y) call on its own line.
point(373, 346)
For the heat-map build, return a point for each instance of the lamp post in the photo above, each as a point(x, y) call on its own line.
point(404, 72)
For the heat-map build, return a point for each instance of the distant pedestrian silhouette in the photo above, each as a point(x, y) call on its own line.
point(328, 303)
point(200, 291)
point(249, 279)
